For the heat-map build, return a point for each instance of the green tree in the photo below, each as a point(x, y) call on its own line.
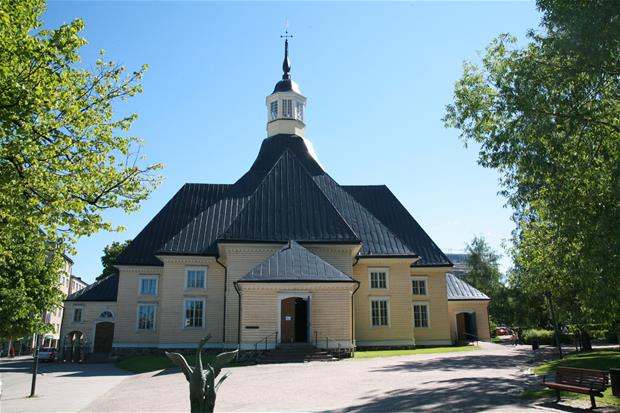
point(64, 155)
point(547, 116)
point(110, 252)
point(483, 263)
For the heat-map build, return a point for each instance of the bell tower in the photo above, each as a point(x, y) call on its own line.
point(286, 106)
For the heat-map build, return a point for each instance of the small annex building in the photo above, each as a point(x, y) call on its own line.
point(285, 254)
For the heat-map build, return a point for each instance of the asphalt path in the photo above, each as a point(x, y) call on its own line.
point(490, 379)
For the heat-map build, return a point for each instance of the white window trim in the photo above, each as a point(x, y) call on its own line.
point(204, 313)
point(148, 277)
point(195, 268)
point(138, 317)
point(420, 278)
point(386, 270)
point(389, 312)
point(81, 308)
point(428, 313)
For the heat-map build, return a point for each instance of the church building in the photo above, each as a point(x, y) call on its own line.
point(284, 255)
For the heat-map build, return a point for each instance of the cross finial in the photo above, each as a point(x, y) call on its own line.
point(286, 65)
point(286, 35)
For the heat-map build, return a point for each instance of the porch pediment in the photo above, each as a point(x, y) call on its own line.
point(295, 263)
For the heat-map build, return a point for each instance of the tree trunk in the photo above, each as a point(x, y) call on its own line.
point(586, 341)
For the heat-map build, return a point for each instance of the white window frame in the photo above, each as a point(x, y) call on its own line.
point(420, 278)
point(386, 299)
point(206, 271)
point(428, 312)
point(204, 313)
point(81, 308)
point(385, 270)
point(288, 109)
point(148, 277)
point(154, 305)
point(273, 115)
point(299, 110)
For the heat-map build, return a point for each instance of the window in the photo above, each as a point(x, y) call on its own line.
point(274, 110)
point(77, 314)
point(196, 278)
point(378, 277)
point(194, 313)
point(418, 286)
point(148, 286)
point(106, 314)
point(146, 316)
point(420, 315)
point(379, 312)
point(287, 108)
point(299, 110)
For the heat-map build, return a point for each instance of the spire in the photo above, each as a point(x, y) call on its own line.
point(286, 64)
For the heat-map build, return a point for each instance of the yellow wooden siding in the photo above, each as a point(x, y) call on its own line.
point(240, 259)
point(481, 308)
point(330, 309)
point(173, 293)
point(399, 294)
point(437, 298)
point(125, 330)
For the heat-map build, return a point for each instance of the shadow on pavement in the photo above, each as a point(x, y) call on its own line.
point(64, 369)
point(461, 394)
point(468, 362)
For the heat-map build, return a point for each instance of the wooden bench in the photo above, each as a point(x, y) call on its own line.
point(584, 381)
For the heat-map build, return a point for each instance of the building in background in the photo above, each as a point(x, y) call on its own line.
point(68, 284)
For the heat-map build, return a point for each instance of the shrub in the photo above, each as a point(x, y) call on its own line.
point(543, 336)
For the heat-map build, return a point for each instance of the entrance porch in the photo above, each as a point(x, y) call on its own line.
point(318, 314)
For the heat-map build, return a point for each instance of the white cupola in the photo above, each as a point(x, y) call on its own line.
point(286, 106)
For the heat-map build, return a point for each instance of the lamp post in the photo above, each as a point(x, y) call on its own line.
point(35, 366)
point(555, 323)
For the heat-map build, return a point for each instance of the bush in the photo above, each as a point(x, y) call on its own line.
point(543, 336)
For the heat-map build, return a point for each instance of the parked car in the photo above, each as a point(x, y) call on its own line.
point(504, 333)
point(47, 354)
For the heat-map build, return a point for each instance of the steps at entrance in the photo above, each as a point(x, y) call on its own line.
point(294, 353)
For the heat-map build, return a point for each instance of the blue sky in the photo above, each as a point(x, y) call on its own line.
point(377, 77)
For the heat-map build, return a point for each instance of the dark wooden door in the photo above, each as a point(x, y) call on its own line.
point(104, 334)
point(287, 320)
point(460, 326)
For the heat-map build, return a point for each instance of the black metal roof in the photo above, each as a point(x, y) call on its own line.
point(295, 263)
point(460, 290)
point(102, 290)
point(285, 195)
point(381, 202)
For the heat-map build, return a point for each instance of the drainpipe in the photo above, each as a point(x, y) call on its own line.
point(217, 259)
point(238, 316)
point(357, 258)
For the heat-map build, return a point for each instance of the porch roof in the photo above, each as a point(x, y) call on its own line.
point(460, 290)
point(295, 263)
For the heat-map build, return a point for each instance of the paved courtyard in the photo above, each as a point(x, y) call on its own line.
point(488, 379)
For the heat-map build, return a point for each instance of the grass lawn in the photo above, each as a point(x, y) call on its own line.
point(143, 364)
point(393, 353)
point(598, 360)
